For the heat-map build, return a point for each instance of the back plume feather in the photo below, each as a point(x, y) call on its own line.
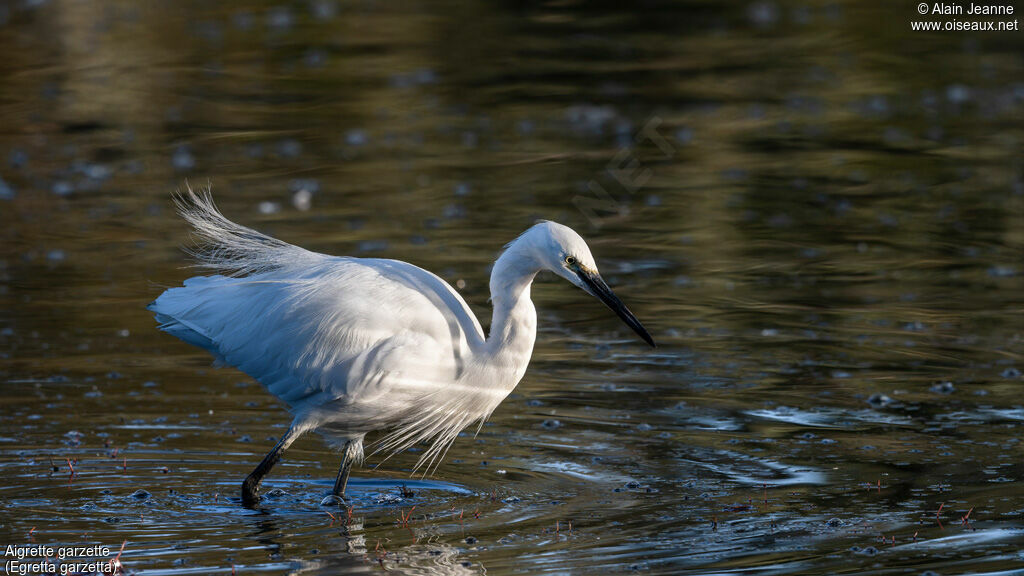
point(222, 245)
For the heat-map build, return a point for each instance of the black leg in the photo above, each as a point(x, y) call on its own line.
point(251, 486)
point(346, 466)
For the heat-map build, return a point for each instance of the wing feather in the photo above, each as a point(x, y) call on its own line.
point(318, 333)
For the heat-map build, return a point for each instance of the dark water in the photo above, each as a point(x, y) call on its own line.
point(822, 224)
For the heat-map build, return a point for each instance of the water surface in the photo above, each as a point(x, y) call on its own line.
point(818, 214)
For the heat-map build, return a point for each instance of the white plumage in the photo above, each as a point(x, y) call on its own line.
point(355, 345)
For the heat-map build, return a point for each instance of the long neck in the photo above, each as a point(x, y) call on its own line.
point(514, 322)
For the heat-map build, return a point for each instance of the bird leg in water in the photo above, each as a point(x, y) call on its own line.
point(251, 486)
point(346, 466)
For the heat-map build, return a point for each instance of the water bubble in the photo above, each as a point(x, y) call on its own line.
point(1002, 271)
point(425, 76)
point(289, 148)
point(97, 172)
point(302, 200)
point(279, 18)
point(323, 9)
point(314, 58)
point(6, 192)
point(915, 326)
point(268, 207)
point(182, 159)
point(356, 138)
point(17, 158)
point(589, 118)
point(62, 188)
point(763, 14)
point(454, 211)
point(242, 20)
point(958, 93)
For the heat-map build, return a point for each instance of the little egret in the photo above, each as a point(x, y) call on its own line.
point(354, 345)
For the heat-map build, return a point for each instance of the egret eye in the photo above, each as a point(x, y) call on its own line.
point(570, 261)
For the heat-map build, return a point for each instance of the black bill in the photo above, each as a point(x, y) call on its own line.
point(596, 285)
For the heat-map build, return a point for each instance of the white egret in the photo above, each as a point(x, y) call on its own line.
point(354, 345)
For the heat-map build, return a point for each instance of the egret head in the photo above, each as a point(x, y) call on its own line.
point(561, 250)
